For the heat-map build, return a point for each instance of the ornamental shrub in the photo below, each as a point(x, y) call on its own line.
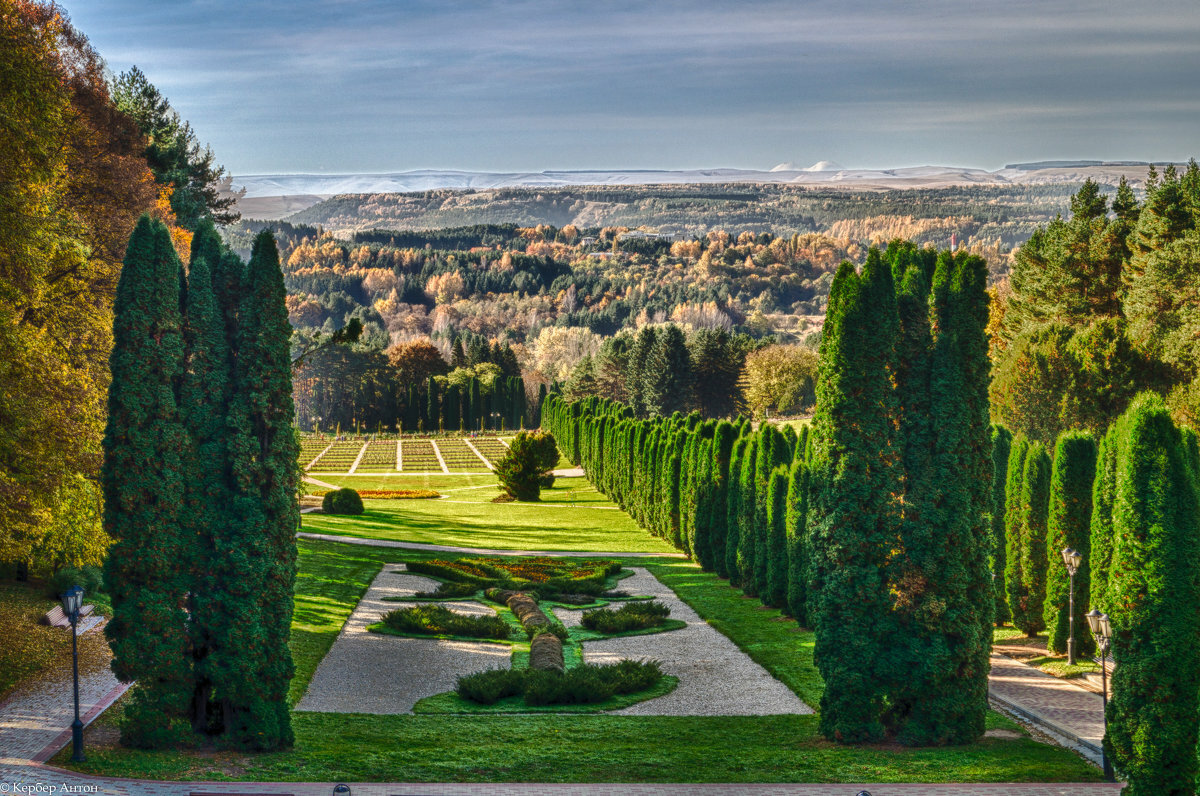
point(776, 591)
point(1012, 522)
point(1027, 610)
point(796, 525)
point(526, 466)
point(629, 616)
point(437, 620)
point(1001, 448)
point(342, 501)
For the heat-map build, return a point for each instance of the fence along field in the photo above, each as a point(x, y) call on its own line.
point(461, 456)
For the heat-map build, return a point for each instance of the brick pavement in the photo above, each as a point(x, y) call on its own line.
point(1067, 712)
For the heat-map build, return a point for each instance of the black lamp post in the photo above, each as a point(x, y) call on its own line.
point(1102, 630)
point(1072, 559)
point(72, 601)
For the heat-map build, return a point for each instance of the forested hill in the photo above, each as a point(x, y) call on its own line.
point(1007, 214)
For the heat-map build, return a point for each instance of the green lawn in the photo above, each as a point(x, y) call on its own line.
point(564, 748)
point(569, 517)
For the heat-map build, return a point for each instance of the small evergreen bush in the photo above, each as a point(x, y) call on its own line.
point(89, 578)
point(342, 501)
point(582, 685)
point(436, 620)
point(630, 616)
point(448, 590)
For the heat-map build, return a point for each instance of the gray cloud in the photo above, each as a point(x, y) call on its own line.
point(361, 86)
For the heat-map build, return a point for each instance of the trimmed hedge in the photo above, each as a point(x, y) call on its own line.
point(437, 620)
point(630, 616)
point(584, 684)
point(342, 501)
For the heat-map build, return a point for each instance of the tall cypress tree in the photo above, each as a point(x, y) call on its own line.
point(776, 591)
point(1035, 509)
point(147, 570)
point(1070, 526)
point(1104, 489)
point(796, 525)
point(943, 587)
point(852, 509)
point(733, 508)
point(433, 408)
point(724, 438)
point(1154, 591)
point(747, 514)
point(1013, 533)
point(255, 663)
point(1001, 447)
point(774, 451)
point(204, 404)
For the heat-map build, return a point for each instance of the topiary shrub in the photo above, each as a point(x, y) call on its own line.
point(530, 458)
point(584, 684)
point(437, 620)
point(630, 616)
point(342, 501)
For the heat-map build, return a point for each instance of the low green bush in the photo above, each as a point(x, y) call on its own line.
point(342, 501)
point(89, 578)
point(449, 590)
point(582, 685)
point(630, 616)
point(437, 620)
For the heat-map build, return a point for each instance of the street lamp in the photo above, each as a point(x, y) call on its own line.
point(72, 601)
point(1072, 559)
point(1102, 631)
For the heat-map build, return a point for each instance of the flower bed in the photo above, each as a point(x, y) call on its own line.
point(458, 456)
point(339, 458)
point(418, 457)
point(542, 574)
point(379, 458)
point(390, 494)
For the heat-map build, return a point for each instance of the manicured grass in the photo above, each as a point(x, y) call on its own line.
point(507, 526)
point(562, 748)
point(437, 482)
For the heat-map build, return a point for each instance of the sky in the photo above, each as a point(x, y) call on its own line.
point(358, 86)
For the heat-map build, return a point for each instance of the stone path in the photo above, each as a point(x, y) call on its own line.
point(1070, 714)
point(715, 677)
point(483, 551)
point(367, 672)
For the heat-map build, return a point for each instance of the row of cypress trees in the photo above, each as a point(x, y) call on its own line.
point(200, 482)
point(875, 528)
point(430, 407)
point(1131, 506)
point(732, 497)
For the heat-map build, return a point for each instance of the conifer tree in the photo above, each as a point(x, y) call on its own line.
point(747, 514)
point(773, 452)
point(1001, 447)
point(796, 526)
point(1034, 509)
point(255, 662)
point(852, 512)
point(737, 466)
point(203, 405)
point(1013, 533)
point(724, 438)
point(147, 570)
point(1069, 526)
point(776, 591)
point(1100, 545)
point(1154, 591)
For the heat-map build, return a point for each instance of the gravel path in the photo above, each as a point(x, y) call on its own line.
point(715, 677)
point(367, 672)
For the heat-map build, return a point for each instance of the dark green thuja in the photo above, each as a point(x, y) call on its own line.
point(255, 661)
point(773, 451)
point(1069, 526)
point(718, 509)
point(853, 514)
point(148, 567)
point(776, 553)
point(943, 587)
point(737, 464)
point(1013, 534)
point(1101, 535)
point(796, 526)
point(1154, 594)
point(747, 514)
point(1028, 611)
point(1001, 447)
point(204, 402)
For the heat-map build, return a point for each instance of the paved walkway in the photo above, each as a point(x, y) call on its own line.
point(1070, 714)
point(486, 551)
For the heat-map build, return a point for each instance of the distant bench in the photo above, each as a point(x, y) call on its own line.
point(56, 617)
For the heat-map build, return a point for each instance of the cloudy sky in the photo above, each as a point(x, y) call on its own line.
point(379, 85)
